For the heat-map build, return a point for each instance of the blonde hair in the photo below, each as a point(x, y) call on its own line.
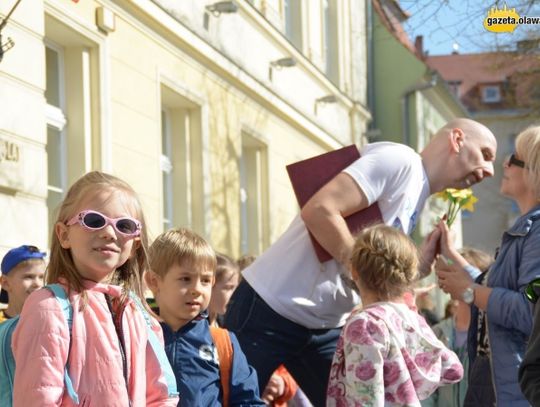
point(528, 149)
point(384, 261)
point(245, 261)
point(224, 266)
point(61, 265)
point(477, 258)
point(183, 247)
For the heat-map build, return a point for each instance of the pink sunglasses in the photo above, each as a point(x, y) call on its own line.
point(93, 220)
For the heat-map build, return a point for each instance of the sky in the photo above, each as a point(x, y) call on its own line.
point(444, 23)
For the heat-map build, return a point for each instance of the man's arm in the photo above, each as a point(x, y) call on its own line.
point(324, 215)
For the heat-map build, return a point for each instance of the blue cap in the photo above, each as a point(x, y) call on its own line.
point(18, 255)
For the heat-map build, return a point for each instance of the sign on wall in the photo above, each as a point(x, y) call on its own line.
point(11, 176)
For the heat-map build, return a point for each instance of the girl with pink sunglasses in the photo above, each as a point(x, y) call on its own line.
point(98, 255)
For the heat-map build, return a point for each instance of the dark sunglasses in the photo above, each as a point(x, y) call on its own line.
point(93, 220)
point(515, 161)
point(532, 291)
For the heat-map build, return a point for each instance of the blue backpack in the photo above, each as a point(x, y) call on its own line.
point(7, 361)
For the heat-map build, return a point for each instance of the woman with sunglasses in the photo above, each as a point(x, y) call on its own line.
point(98, 254)
point(501, 317)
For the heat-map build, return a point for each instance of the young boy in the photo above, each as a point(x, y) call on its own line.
point(22, 273)
point(181, 278)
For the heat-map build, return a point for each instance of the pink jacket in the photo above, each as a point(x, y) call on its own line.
point(41, 347)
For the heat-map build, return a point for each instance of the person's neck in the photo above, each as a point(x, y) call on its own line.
point(526, 203)
point(369, 298)
point(13, 310)
point(432, 169)
point(171, 320)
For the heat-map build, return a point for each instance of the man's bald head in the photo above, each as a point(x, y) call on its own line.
point(469, 126)
point(460, 154)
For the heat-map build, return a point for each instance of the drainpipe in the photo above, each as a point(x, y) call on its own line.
point(405, 105)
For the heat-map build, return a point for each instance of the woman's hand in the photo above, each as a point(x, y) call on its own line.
point(454, 281)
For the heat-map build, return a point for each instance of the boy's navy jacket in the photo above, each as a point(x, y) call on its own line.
point(194, 360)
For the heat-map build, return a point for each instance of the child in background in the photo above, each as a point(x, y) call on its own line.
point(452, 331)
point(181, 278)
point(99, 240)
point(387, 354)
point(245, 260)
point(22, 273)
point(226, 280)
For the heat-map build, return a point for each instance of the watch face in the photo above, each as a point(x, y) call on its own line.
point(468, 295)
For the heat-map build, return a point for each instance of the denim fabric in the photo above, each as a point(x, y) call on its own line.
point(509, 313)
point(269, 340)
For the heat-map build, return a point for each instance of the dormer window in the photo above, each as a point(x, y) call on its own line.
point(491, 94)
point(454, 87)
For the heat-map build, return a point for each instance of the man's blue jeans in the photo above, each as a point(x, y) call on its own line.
point(268, 340)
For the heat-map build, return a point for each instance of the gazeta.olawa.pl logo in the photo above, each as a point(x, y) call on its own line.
point(506, 20)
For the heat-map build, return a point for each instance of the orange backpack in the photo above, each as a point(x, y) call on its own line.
point(223, 344)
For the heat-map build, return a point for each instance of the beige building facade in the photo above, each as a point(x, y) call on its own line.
point(199, 105)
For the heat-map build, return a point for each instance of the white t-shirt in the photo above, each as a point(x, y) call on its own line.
point(288, 275)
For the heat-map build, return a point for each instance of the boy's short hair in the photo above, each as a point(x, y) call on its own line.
point(384, 261)
point(183, 247)
point(18, 257)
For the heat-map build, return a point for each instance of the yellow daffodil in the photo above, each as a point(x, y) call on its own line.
point(457, 199)
point(469, 204)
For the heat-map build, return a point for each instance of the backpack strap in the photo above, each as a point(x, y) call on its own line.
point(157, 347)
point(62, 298)
point(8, 361)
point(222, 341)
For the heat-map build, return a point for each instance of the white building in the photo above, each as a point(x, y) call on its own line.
point(199, 105)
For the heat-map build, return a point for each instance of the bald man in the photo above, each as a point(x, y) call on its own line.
point(290, 308)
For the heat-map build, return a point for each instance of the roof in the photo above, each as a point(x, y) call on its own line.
point(519, 73)
point(392, 15)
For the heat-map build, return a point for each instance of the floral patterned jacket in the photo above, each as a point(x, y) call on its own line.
point(387, 355)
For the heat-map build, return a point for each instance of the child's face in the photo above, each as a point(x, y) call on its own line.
point(22, 281)
point(97, 253)
point(222, 291)
point(183, 293)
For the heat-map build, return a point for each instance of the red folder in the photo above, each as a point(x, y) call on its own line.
point(308, 176)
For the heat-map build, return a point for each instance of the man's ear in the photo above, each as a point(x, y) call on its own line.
point(62, 234)
point(152, 279)
point(456, 139)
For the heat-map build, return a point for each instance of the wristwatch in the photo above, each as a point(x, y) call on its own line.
point(468, 295)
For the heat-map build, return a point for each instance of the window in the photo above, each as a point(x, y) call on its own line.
point(491, 94)
point(166, 170)
point(454, 87)
point(330, 40)
point(253, 196)
point(56, 133)
point(292, 11)
point(72, 119)
point(181, 162)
